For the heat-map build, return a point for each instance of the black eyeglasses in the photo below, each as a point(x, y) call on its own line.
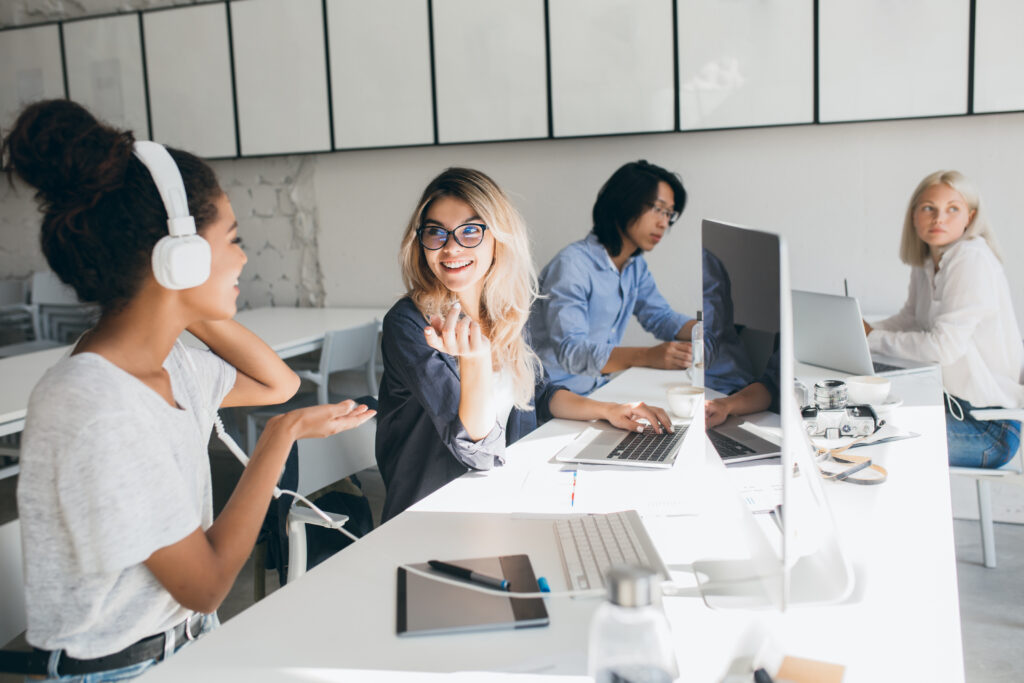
point(434, 237)
point(671, 215)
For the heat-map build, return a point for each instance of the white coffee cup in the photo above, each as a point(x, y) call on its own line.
point(867, 389)
point(684, 400)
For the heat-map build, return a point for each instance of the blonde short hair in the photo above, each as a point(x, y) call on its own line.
point(510, 285)
point(913, 251)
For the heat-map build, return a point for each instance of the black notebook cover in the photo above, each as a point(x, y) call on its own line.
point(426, 606)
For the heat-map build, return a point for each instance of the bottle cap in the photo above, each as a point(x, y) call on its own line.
point(630, 586)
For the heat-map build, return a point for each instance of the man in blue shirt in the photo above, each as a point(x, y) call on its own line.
point(592, 288)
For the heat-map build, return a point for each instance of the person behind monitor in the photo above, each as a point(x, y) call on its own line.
point(592, 288)
point(959, 314)
point(123, 560)
point(460, 380)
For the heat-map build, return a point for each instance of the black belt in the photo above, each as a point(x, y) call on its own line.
point(37, 662)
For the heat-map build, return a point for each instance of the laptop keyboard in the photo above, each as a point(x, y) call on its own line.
point(648, 446)
point(884, 367)
point(591, 544)
point(727, 446)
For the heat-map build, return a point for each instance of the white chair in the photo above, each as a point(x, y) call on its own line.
point(323, 465)
point(58, 317)
point(12, 583)
point(17, 319)
point(983, 477)
point(347, 349)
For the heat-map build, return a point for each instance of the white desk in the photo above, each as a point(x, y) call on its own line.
point(904, 624)
point(289, 331)
point(294, 331)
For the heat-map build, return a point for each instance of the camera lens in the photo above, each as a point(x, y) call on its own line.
point(830, 394)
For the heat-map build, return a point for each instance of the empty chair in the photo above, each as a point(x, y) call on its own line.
point(983, 477)
point(348, 349)
point(318, 469)
point(322, 462)
point(12, 584)
point(57, 316)
point(17, 322)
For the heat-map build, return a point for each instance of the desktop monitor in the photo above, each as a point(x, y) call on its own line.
point(803, 562)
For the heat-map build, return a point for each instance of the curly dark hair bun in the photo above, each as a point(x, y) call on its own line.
point(102, 213)
point(59, 148)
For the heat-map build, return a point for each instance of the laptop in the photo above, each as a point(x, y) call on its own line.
point(828, 331)
point(736, 444)
point(605, 445)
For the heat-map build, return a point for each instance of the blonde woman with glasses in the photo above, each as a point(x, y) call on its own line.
point(959, 314)
point(460, 380)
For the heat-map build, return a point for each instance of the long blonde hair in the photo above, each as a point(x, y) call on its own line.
point(510, 285)
point(913, 251)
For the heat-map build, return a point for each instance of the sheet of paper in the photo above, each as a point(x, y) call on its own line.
point(760, 486)
point(658, 493)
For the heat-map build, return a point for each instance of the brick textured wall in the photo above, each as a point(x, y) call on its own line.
point(273, 198)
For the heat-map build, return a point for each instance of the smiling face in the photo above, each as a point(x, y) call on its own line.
point(459, 269)
point(941, 216)
point(216, 299)
point(650, 227)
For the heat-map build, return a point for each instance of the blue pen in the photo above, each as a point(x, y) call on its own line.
point(542, 584)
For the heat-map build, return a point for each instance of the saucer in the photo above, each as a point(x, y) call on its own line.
point(891, 402)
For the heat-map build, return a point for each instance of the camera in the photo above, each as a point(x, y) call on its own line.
point(831, 418)
point(833, 423)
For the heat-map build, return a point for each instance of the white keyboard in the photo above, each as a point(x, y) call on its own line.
point(591, 544)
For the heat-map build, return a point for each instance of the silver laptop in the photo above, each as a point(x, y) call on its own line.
point(736, 444)
point(828, 331)
point(605, 445)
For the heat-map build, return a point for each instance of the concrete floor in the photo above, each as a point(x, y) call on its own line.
point(991, 600)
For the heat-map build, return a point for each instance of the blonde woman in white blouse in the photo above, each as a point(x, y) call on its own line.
point(959, 314)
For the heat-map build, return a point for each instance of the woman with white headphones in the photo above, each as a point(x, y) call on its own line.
point(124, 562)
point(959, 314)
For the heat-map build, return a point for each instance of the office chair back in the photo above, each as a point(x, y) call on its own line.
point(347, 349)
point(12, 583)
point(46, 288)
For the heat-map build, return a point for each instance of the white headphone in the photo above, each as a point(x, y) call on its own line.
point(181, 259)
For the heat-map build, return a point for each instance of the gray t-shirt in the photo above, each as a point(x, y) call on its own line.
point(110, 473)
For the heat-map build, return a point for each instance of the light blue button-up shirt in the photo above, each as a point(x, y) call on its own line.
point(584, 310)
point(587, 304)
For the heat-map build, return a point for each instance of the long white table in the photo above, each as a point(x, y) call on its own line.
point(338, 621)
point(289, 331)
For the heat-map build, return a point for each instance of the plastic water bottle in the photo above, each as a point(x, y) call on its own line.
point(697, 339)
point(630, 640)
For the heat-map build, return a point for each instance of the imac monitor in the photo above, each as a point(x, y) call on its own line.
point(804, 563)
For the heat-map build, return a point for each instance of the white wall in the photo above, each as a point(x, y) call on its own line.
point(837, 193)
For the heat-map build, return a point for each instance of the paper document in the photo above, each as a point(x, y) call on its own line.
point(657, 493)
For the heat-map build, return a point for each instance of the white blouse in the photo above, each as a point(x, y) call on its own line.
point(961, 317)
point(504, 399)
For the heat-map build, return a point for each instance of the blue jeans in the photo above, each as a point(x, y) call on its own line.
point(210, 622)
point(979, 443)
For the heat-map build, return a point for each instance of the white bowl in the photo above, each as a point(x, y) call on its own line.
point(684, 400)
point(867, 389)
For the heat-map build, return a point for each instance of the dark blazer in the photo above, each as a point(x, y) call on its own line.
point(421, 444)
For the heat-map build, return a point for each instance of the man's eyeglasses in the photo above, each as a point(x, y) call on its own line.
point(671, 215)
point(434, 237)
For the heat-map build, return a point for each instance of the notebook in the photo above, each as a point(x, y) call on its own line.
point(605, 445)
point(828, 331)
point(736, 444)
point(426, 606)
